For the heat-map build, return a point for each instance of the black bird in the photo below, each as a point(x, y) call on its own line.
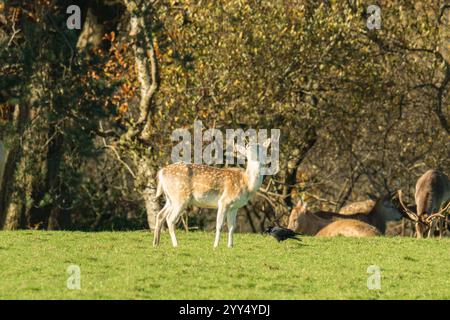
point(282, 234)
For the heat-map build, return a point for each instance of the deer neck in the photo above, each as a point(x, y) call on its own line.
point(447, 191)
point(254, 177)
point(377, 218)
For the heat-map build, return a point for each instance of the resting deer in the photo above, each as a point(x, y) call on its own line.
point(432, 192)
point(358, 207)
point(303, 221)
point(349, 228)
point(306, 222)
point(204, 186)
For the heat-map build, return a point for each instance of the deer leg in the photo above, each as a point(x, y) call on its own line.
point(185, 221)
point(159, 221)
point(172, 219)
point(219, 222)
point(418, 230)
point(441, 227)
point(445, 231)
point(430, 230)
point(231, 222)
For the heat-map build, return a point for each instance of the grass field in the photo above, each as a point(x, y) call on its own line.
point(123, 265)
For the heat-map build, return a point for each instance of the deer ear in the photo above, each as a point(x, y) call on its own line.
point(301, 204)
point(372, 196)
point(267, 143)
point(393, 195)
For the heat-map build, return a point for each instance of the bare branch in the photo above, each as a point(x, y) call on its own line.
point(15, 31)
point(113, 149)
point(442, 11)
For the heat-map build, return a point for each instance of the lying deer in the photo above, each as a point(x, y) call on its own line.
point(204, 186)
point(432, 192)
point(306, 222)
point(358, 207)
point(349, 228)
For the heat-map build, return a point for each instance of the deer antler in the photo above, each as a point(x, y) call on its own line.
point(430, 219)
point(438, 214)
point(412, 215)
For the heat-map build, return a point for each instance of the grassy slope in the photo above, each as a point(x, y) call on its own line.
point(123, 265)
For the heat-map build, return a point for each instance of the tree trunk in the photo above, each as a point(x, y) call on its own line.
point(15, 191)
point(6, 189)
point(92, 33)
point(3, 157)
point(310, 139)
point(152, 206)
point(100, 17)
point(58, 219)
point(444, 32)
point(14, 181)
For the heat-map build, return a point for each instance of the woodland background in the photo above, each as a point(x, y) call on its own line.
point(86, 115)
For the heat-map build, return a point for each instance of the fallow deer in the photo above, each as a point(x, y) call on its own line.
point(349, 228)
point(358, 207)
point(432, 193)
point(303, 221)
point(226, 189)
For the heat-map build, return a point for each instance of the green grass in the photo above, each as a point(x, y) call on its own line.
point(124, 265)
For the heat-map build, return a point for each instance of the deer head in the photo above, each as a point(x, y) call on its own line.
point(425, 220)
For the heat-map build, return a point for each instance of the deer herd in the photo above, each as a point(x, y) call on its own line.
point(228, 189)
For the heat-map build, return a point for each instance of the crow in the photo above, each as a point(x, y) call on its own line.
point(282, 234)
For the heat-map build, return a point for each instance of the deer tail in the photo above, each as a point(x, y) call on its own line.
point(159, 188)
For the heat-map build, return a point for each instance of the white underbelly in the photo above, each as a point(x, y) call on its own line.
point(206, 200)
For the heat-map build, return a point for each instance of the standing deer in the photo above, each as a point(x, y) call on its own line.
point(204, 186)
point(432, 192)
point(349, 228)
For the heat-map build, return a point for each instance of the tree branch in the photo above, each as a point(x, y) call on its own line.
point(442, 11)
